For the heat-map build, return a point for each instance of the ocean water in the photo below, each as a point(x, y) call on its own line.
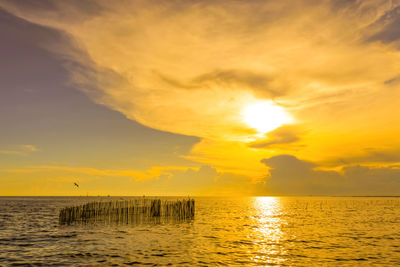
point(282, 231)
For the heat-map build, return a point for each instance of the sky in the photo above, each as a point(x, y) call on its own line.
point(200, 97)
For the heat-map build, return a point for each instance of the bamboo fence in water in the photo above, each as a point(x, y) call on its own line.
point(128, 211)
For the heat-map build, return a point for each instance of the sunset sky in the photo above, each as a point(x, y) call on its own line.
point(200, 97)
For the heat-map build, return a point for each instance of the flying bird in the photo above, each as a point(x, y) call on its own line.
point(77, 185)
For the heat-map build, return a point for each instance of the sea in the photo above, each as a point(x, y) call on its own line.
point(234, 231)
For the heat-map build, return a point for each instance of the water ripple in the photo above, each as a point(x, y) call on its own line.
point(225, 232)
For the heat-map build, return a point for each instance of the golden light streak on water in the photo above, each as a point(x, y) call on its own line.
point(270, 221)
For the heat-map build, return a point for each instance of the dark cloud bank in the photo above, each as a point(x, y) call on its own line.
point(292, 176)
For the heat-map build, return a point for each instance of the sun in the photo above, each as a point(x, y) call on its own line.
point(265, 116)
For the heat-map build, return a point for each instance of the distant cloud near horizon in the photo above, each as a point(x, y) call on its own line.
point(291, 176)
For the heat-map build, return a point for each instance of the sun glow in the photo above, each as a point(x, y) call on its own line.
point(265, 116)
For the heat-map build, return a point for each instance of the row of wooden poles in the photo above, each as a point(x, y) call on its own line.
point(127, 211)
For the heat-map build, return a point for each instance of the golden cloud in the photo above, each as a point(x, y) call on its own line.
point(192, 67)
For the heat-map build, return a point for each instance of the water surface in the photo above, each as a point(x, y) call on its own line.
point(225, 231)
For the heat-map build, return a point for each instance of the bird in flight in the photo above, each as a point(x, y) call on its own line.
point(77, 185)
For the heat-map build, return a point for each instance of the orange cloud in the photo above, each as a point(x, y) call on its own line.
point(192, 67)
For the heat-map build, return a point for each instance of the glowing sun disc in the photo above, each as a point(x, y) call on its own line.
point(265, 116)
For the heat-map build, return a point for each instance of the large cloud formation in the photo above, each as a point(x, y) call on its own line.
point(190, 67)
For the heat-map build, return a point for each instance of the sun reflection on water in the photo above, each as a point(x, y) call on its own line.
point(268, 232)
